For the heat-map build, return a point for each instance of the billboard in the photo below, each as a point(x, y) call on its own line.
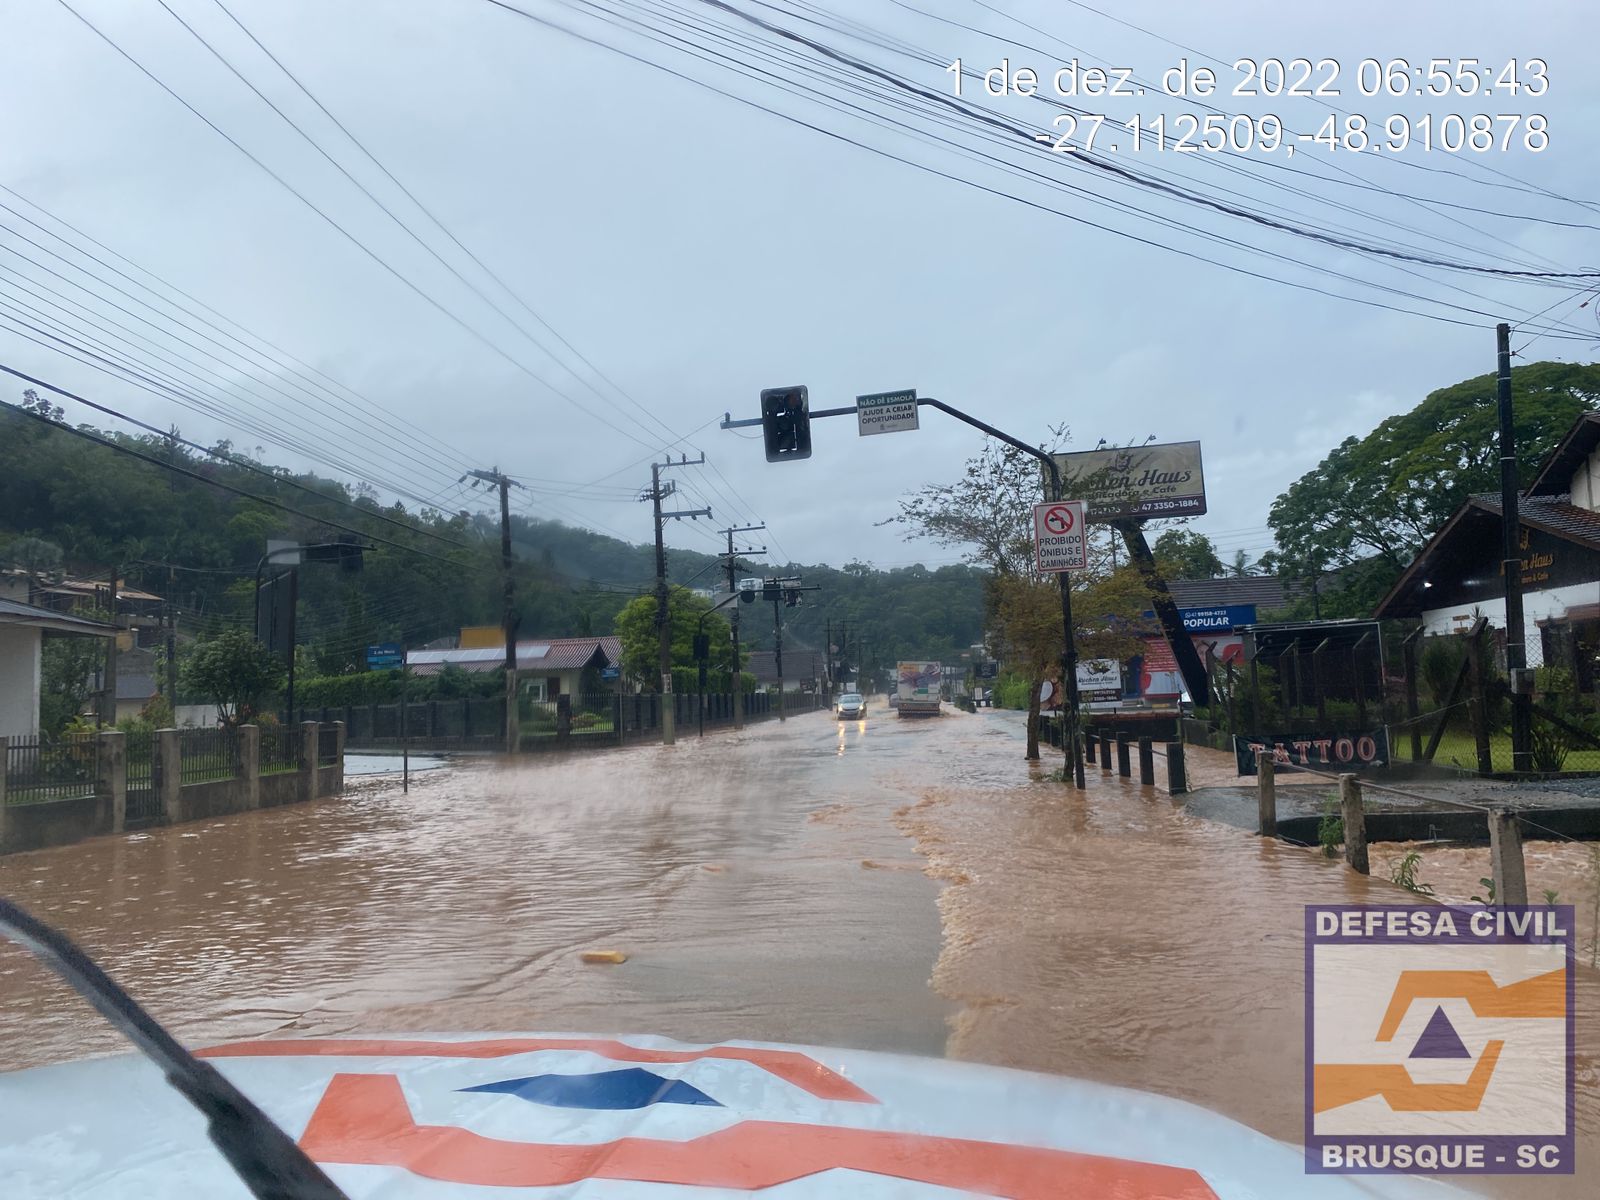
point(1099, 681)
point(1163, 480)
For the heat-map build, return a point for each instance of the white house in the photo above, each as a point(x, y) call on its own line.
point(1457, 576)
point(22, 631)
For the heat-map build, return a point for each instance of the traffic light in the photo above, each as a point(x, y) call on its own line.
point(786, 423)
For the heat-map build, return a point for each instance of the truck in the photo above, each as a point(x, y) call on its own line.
point(917, 688)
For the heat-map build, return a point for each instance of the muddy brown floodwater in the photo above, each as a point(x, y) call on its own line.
point(801, 882)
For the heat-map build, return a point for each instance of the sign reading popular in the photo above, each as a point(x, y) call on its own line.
point(1164, 480)
point(1058, 536)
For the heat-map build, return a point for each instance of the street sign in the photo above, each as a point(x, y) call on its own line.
point(384, 656)
point(610, 672)
point(886, 412)
point(1058, 536)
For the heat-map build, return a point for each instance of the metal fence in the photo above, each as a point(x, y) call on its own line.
point(327, 745)
point(40, 769)
point(207, 755)
point(279, 748)
point(143, 762)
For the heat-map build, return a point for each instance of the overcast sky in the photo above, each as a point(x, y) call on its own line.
point(695, 249)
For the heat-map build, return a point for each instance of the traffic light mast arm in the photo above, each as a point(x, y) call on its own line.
point(1069, 659)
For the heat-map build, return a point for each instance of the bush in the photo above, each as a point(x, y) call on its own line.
point(1011, 691)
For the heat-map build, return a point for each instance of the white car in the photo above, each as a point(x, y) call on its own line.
point(851, 707)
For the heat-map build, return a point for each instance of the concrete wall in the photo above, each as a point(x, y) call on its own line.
point(61, 822)
point(19, 681)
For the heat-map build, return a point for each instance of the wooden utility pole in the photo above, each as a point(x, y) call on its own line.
point(663, 620)
point(733, 586)
point(172, 644)
point(108, 698)
point(509, 616)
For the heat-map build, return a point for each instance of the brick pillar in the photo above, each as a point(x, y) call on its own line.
point(111, 776)
point(250, 764)
point(169, 751)
point(308, 760)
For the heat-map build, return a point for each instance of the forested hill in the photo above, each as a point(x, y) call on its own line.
point(193, 526)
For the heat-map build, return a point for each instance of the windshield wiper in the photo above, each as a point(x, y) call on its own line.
point(269, 1162)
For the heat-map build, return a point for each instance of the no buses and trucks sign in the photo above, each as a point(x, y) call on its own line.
point(1058, 536)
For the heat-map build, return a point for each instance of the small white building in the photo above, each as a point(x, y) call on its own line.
point(22, 632)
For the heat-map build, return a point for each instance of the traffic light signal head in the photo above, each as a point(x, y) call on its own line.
point(786, 423)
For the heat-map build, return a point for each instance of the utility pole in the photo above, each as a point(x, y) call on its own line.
point(777, 653)
point(1511, 562)
point(733, 586)
point(172, 644)
point(509, 618)
point(663, 623)
point(108, 699)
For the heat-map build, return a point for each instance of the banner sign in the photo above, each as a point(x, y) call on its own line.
point(385, 656)
point(1330, 752)
point(1099, 681)
point(1164, 480)
point(1221, 619)
point(886, 412)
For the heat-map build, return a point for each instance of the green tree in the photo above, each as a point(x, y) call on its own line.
point(34, 557)
point(989, 512)
point(1185, 554)
point(1382, 496)
point(235, 672)
point(66, 674)
point(636, 628)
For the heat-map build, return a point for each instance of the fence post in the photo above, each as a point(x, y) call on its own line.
point(1105, 752)
point(250, 764)
point(169, 749)
point(308, 760)
point(110, 776)
point(340, 732)
point(5, 767)
point(1147, 761)
point(1177, 777)
point(1266, 794)
point(1354, 813)
point(1505, 858)
point(1124, 767)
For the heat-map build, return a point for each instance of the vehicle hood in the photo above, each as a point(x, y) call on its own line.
point(499, 1115)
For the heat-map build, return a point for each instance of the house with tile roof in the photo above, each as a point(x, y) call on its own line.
point(546, 667)
point(1457, 575)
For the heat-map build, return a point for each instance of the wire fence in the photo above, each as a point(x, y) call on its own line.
point(40, 769)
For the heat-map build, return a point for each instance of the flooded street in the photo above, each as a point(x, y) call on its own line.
point(800, 882)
